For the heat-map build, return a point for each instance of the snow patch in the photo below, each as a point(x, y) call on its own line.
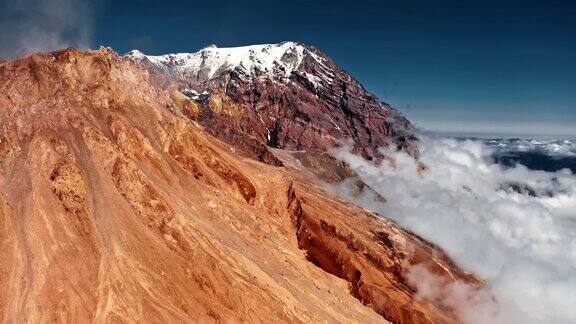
point(194, 95)
point(316, 81)
point(336, 125)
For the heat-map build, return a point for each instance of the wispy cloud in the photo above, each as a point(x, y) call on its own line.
point(39, 25)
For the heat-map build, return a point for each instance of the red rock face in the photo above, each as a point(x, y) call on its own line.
point(317, 105)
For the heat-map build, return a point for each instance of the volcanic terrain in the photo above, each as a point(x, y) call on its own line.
point(132, 193)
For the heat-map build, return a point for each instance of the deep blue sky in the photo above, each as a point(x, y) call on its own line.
point(475, 66)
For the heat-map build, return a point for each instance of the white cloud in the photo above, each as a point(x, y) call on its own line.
point(514, 227)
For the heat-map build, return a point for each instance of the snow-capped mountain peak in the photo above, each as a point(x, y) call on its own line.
point(275, 60)
point(287, 95)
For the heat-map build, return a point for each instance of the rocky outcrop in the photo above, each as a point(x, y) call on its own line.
point(286, 95)
point(373, 257)
point(115, 206)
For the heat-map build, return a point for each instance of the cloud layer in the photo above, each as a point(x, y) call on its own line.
point(512, 226)
point(38, 25)
point(555, 148)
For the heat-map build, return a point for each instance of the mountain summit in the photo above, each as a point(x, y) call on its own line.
point(285, 95)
